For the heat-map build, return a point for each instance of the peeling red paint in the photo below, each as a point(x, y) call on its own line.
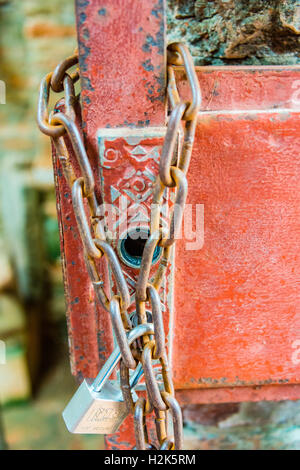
point(237, 298)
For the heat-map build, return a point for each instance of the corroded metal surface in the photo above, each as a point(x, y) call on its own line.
point(238, 394)
point(245, 170)
point(267, 129)
point(241, 327)
point(129, 161)
point(86, 352)
point(129, 94)
point(121, 57)
point(123, 85)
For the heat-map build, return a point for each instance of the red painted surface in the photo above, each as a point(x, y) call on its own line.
point(245, 88)
point(124, 439)
point(128, 169)
point(85, 323)
point(122, 66)
point(237, 299)
point(131, 94)
point(122, 52)
point(238, 394)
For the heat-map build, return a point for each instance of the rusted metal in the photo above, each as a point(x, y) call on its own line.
point(132, 335)
point(180, 183)
point(70, 97)
point(161, 424)
point(167, 445)
point(79, 149)
point(151, 381)
point(189, 68)
point(159, 332)
point(139, 89)
point(254, 89)
point(173, 94)
point(173, 406)
point(143, 279)
point(238, 394)
point(43, 113)
point(169, 176)
point(62, 154)
point(245, 175)
point(125, 387)
point(124, 299)
point(120, 333)
point(233, 89)
point(177, 215)
point(84, 188)
point(60, 72)
point(187, 146)
point(82, 222)
point(116, 271)
point(140, 427)
point(169, 145)
point(59, 80)
point(162, 267)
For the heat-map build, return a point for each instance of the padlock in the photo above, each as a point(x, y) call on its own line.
point(97, 406)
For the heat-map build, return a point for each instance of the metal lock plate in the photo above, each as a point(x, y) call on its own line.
point(92, 412)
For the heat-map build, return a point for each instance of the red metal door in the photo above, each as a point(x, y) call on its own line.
point(237, 298)
point(234, 328)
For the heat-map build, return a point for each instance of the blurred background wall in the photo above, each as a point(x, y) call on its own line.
point(34, 36)
point(35, 382)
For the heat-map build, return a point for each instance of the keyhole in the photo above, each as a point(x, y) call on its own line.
point(134, 248)
point(131, 247)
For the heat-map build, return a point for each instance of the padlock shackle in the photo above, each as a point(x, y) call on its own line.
point(137, 374)
point(115, 357)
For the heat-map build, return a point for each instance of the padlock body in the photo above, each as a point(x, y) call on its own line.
point(90, 412)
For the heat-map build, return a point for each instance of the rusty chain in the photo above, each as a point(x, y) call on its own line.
point(172, 174)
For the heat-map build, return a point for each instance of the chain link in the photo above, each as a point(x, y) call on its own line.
point(172, 174)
